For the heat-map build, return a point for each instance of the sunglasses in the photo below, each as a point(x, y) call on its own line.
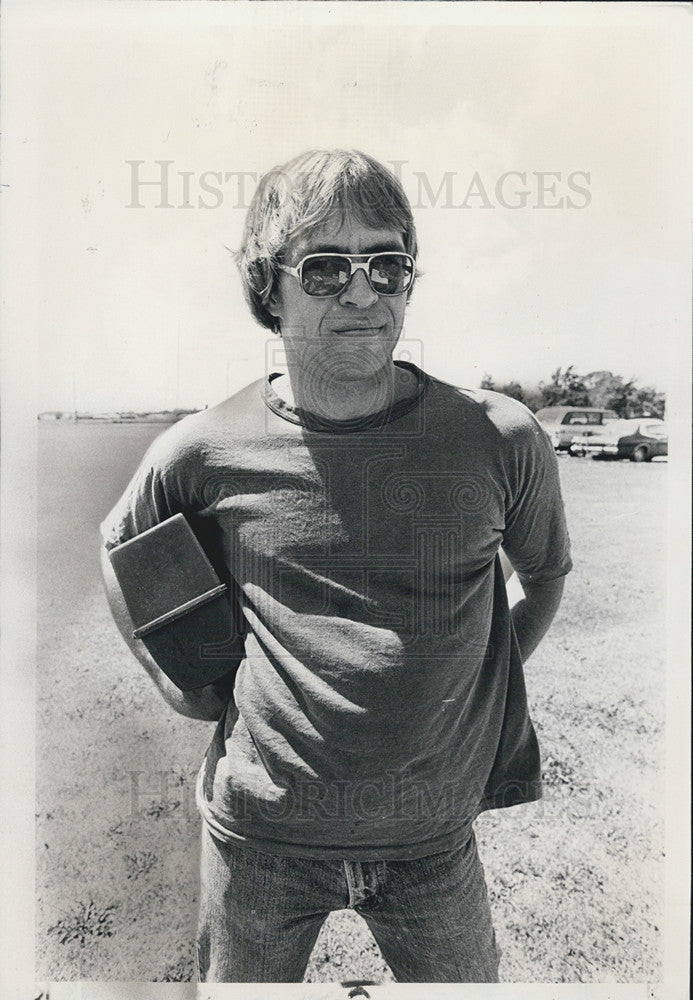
point(326, 274)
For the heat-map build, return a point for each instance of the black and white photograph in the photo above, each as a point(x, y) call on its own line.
point(345, 520)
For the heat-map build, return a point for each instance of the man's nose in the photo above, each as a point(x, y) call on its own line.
point(358, 292)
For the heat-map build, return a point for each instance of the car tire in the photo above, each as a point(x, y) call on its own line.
point(641, 454)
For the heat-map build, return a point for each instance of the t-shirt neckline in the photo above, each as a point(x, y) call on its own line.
point(312, 422)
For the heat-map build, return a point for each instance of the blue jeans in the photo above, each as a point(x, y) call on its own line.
point(260, 914)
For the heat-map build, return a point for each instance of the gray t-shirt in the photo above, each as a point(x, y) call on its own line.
point(381, 703)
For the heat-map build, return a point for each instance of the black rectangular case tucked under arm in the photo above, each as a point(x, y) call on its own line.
point(182, 612)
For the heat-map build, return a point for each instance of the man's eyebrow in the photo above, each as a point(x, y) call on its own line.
point(379, 247)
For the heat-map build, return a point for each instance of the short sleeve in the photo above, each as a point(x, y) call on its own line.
point(161, 487)
point(535, 537)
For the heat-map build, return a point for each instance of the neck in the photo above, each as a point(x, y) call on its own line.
point(338, 398)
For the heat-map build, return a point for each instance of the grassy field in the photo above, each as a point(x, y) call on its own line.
point(575, 881)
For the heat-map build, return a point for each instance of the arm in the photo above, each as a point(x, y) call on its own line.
point(535, 540)
point(533, 614)
point(203, 703)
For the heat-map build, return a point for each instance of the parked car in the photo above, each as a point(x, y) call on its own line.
point(640, 439)
point(564, 423)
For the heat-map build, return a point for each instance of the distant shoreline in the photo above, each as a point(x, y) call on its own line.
point(155, 417)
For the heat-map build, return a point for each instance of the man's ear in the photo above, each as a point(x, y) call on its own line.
point(272, 307)
point(273, 304)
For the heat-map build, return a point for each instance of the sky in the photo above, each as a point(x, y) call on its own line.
point(542, 149)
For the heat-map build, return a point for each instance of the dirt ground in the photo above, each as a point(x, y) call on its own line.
point(575, 881)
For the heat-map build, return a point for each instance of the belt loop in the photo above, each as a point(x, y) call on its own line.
point(355, 882)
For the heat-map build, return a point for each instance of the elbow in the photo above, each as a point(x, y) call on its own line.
point(199, 704)
point(198, 714)
point(548, 594)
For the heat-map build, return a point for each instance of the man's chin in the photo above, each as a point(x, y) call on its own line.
point(368, 349)
point(354, 364)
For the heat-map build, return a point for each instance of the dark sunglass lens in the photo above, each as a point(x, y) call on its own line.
point(325, 275)
point(391, 273)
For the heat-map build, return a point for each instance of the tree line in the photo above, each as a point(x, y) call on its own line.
point(602, 390)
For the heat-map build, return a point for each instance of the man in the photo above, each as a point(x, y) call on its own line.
point(360, 506)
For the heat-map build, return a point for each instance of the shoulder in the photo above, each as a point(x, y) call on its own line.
point(490, 416)
point(175, 473)
point(512, 419)
point(201, 437)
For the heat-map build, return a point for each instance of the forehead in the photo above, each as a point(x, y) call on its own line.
point(345, 236)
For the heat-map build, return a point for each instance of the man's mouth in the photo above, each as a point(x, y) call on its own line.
point(358, 328)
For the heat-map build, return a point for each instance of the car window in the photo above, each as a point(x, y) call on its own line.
point(653, 430)
point(582, 418)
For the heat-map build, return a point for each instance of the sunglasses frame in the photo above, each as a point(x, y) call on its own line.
point(357, 262)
